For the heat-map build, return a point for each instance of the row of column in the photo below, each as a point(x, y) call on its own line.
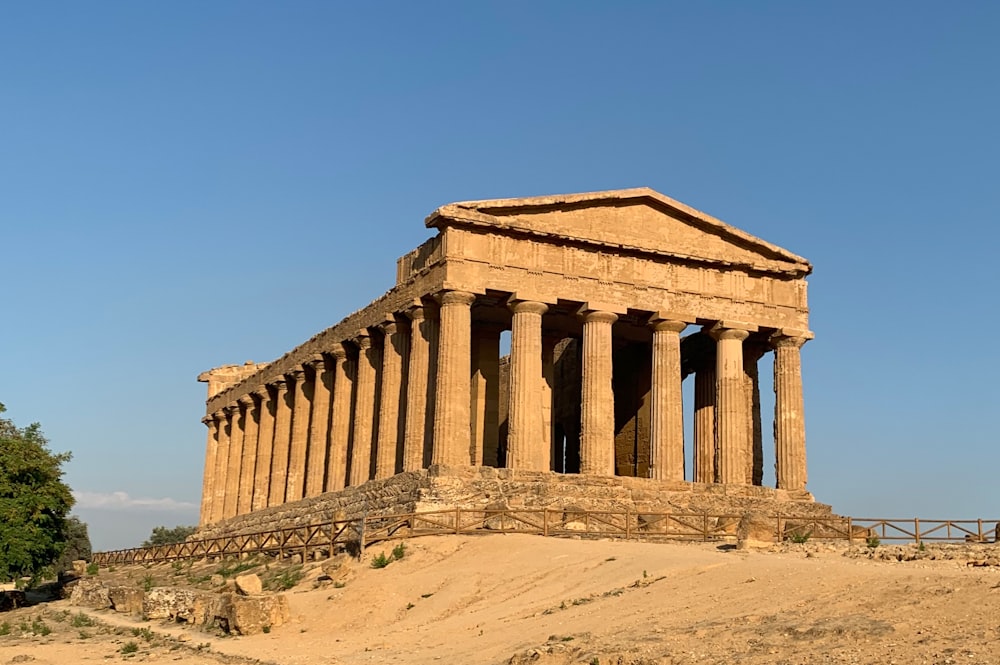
point(338, 421)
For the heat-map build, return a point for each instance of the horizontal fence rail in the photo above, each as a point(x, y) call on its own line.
point(354, 535)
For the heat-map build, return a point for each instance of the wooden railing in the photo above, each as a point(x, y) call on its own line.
point(333, 536)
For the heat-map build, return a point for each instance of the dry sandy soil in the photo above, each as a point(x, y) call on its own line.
point(526, 599)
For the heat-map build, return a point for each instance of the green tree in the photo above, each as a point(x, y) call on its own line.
point(163, 536)
point(34, 501)
point(77, 543)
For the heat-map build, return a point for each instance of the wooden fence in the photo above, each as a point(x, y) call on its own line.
point(330, 537)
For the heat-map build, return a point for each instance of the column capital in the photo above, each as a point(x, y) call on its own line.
point(598, 316)
point(363, 339)
point(389, 326)
point(456, 298)
point(339, 352)
point(232, 409)
point(731, 330)
point(262, 393)
point(787, 337)
point(280, 384)
point(246, 400)
point(207, 420)
point(667, 325)
point(219, 415)
point(316, 362)
point(527, 307)
point(296, 374)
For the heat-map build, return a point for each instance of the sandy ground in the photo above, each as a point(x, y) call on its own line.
point(526, 599)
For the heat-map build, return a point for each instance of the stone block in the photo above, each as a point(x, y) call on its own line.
point(90, 593)
point(126, 599)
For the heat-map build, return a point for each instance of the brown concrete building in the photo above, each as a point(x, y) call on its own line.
point(596, 290)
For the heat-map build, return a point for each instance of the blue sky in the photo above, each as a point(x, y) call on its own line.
point(187, 184)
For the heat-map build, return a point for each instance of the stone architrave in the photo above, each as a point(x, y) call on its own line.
point(299, 442)
point(265, 450)
point(667, 420)
point(221, 467)
point(527, 445)
point(597, 407)
point(340, 422)
point(705, 444)
point(416, 390)
point(789, 420)
point(732, 414)
point(319, 427)
point(389, 401)
point(752, 353)
point(452, 426)
point(282, 442)
point(244, 503)
point(364, 411)
point(233, 472)
point(208, 481)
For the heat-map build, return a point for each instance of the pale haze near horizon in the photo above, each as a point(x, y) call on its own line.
point(188, 185)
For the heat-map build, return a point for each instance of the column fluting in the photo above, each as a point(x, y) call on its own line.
point(731, 413)
point(789, 420)
point(416, 391)
point(752, 353)
point(340, 423)
point(244, 503)
point(265, 450)
point(299, 441)
point(597, 408)
point(390, 400)
point(364, 412)
point(705, 441)
point(452, 428)
point(526, 443)
point(282, 442)
point(221, 467)
point(319, 427)
point(667, 417)
point(208, 480)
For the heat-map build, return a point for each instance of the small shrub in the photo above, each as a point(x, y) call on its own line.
point(288, 578)
point(399, 551)
point(266, 628)
point(144, 633)
point(339, 585)
point(380, 560)
point(4, 628)
point(61, 616)
point(147, 582)
point(873, 542)
point(129, 647)
point(92, 568)
point(921, 547)
point(799, 537)
point(38, 627)
point(84, 635)
point(81, 620)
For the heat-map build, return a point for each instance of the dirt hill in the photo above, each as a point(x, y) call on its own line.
point(527, 599)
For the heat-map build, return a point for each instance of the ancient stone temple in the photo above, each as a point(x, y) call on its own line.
point(611, 300)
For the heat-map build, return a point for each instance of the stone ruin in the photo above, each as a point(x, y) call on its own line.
point(597, 291)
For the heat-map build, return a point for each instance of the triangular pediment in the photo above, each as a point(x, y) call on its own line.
point(635, 219)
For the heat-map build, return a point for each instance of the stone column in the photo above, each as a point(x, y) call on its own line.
point(299, 442)
point(789, 421)
point(389, 401)
point(364, 411)
point(548, 385)
point(244, 503)
point(597, 407)
point(265, 451)
point(319, 427)
point(416, 390)
point(221, 467)
point(752, 353)
point(208, 480)
point(282, 442)
point(666, 459)
point(452, 433)
point(485, 414)
point(340, 424)
point(705, 445)
point(731, 412)
point(235, 460)
point(526, 441)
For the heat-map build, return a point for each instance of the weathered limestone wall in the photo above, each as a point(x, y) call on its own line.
point(440, 488)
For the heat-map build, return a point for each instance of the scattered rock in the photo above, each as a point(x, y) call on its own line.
point(90, 593)
point(249, 585)
point(248, 616)
point(181, 605)
point(126, 599)
point(217, 580)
